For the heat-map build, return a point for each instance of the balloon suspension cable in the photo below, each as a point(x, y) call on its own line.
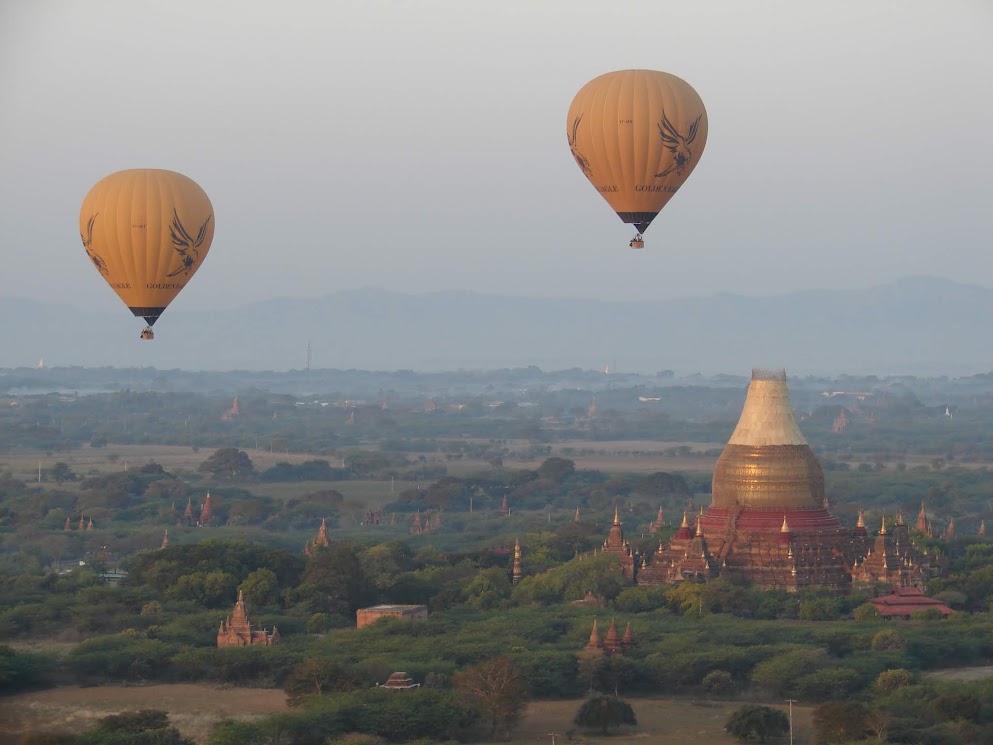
point(147, 333)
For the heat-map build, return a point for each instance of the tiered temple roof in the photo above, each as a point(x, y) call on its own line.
point(906, 600)
point(617, 545)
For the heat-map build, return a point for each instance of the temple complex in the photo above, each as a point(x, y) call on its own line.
point(237, 630)
point(768, 520)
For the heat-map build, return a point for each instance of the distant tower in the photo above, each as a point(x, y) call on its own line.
point(594, 644)
point(165, 540)
point(68, 526)
point(923, 525)
point(231, 413)
point(188, 514)
point(611, 642)
point(840, 423)
point(351, 417)
point(628, 639)
point(322, 535)
point(89, 525)
point(516, 576)
point(949, 533)
point(575, 519)
point(206, 511)
point(982, 527)
point(591, 411)
point(504, 509)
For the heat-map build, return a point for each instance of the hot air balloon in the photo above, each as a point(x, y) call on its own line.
point(637, 135)
point(146, 231)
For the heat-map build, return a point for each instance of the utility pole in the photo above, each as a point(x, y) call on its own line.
point(791, 701)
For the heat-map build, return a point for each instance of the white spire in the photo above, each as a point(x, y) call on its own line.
point(767, 416)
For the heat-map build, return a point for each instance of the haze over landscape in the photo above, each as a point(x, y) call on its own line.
point(425, 454)
point(916, 326)
point(400, 146)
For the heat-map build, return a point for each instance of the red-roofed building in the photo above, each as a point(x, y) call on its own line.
point(906, 600)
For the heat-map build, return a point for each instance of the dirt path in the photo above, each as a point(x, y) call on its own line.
point(192, 708)
point(962, 673)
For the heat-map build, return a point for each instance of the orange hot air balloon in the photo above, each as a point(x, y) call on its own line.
point(146, 231)
point(637, 135)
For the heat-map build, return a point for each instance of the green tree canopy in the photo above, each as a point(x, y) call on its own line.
point(228, 463)
point(603, 712)
point(752, 723)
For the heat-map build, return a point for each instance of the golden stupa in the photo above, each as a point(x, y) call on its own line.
point(767, 464)
point(768, 521)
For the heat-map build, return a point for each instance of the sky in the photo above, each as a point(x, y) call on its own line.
point(421, 146)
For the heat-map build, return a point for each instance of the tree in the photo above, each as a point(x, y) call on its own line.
point(841, 721)
point(752, 723)
point(603, 712)
point(333, 582)
point(61, 472)
point(888, 640)
point(228, 463)
point(718, 682)
point(496, 689)
point(889, 680)
point(261, 587)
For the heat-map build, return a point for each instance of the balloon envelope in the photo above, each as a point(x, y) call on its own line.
point(146, 231)
point(637, 135)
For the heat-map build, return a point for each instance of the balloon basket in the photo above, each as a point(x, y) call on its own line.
point(147, 333)
point(637, 242)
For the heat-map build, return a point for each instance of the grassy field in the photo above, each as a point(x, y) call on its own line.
point(620, 456)
point(192, 708)
point(195, 708)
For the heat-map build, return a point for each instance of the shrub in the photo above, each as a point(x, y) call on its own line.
point(752, 723)
point(889, 680)
point(887, 640)
point(718, 683)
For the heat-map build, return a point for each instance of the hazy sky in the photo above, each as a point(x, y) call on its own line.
point(421, 146)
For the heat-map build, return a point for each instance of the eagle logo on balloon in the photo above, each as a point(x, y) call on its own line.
point(580, 159)
point(185, 245)
point(98, 262)
point(677, 144)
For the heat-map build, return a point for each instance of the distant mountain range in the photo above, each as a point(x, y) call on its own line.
point(918, 325)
